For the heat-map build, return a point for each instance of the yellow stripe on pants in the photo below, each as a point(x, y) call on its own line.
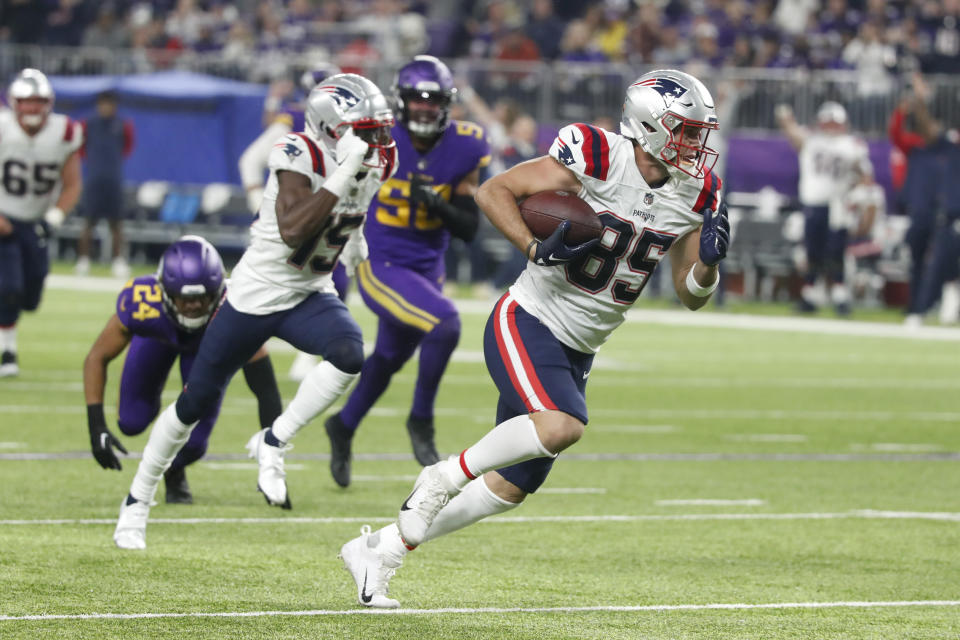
point(393, 301)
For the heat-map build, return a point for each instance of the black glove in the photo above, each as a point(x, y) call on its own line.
point(460, 217)
point(101, 440)
point(714, 236)
point(555, 251)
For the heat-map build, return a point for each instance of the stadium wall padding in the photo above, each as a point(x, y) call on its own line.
point(188, 127)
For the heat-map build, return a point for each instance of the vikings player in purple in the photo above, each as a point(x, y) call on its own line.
point(160, 317)
point(408, 227)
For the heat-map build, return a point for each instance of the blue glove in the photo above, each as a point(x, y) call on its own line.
point(714, 236)
point(554, 251)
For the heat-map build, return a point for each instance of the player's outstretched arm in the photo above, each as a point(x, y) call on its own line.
point(788, 123)
point(109, 344)
point(694, 259)
point(497, 197)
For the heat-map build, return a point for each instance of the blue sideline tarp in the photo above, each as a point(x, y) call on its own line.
point(188, 127)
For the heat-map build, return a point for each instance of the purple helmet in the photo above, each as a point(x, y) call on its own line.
point(191, 278)
point(317, 74)
point(429, 80)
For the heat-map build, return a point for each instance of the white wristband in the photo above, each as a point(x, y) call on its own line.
point(54, 217)
point(338, 180)
point(696, 289)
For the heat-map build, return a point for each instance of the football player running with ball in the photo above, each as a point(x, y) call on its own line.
point(316, 197)
point(41, 183)
point(654, 191)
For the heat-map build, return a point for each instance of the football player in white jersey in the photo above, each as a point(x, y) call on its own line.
point(831, 160)
point(320, 185)
point(40, 183)
point(654, 190)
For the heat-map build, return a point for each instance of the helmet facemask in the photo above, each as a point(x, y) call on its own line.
point(425, 113)
point(670, 114)
point(686, 148)
point(192, 307)
point(192, 282)
point(348, 100)
point(31, 98)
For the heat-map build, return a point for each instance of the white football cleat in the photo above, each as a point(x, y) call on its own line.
point(131, 531)
point(431, 493)
point(369, 571)
point(8, 365)
point(272, 479)
point(302, 365)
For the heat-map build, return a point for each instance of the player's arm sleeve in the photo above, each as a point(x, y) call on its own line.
point(254, 159)
point(125, 306)
point(584, 150)
point(293, 153)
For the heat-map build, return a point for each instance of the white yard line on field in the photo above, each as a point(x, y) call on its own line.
point(858, 514)
point(709, 502)
point(730, 606)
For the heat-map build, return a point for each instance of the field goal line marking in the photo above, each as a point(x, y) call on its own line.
point(475, 610)
point(865, 514)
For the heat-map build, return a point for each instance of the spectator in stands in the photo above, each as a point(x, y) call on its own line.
point(545, 28)
point(873, 59)
point(107, 31)
point(577, 44)
point(108, 139)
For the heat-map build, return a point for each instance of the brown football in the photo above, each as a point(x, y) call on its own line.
point(544, 211)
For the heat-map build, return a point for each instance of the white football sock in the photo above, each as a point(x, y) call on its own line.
point(166, 438)
point(321, 388)
point(512, 441)
point(473, 504)
point(839, 294)
point(8, 339)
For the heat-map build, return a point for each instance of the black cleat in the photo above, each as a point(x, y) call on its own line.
point(340, 439)
point(178, 491)
point(421, 437)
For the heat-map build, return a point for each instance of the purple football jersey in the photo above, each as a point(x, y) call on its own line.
point(292, 113)
point(418, 239)
point(140, 309)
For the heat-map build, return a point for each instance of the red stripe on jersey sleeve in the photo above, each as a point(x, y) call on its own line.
point(68, 134)
point(315, 154)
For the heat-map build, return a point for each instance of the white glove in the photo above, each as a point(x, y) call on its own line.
point(54, 217)
point(354, 251)
point(350, 151)
point(254, 197)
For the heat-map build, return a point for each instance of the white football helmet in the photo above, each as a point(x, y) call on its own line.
point(349, 100)
point(30, 84)
point(671, 114)
point(831, 112)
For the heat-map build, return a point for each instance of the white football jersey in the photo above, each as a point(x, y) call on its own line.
point(828, 167)
point(582, 304)
point(271, 276)
point(31, 166)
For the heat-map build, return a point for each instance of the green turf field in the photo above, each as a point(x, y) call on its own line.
point(732, 483)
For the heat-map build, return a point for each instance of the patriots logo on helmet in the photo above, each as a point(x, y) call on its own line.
point(291, 150)
point(345, 99)
point(670, 89)
point(564, 155)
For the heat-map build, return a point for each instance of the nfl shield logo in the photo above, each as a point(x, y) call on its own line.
point(648, 199)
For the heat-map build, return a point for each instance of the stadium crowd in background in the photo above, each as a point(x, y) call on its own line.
point(871, 36)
